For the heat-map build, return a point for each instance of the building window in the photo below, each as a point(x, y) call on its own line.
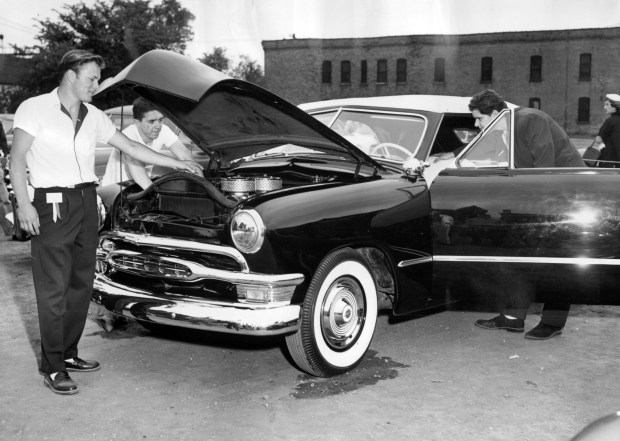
point(583, 110)
point(382, 71)
point(535, 103)
point(364, 72)
point(440, 70)
point(535, 69)
point(401, 70)
point(486, 70)
point(345, 72)
point(326, 72)
point(585, 67)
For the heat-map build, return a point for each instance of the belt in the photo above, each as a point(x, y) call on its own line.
point(82, 185)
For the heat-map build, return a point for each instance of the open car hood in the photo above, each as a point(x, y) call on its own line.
point(227, 118)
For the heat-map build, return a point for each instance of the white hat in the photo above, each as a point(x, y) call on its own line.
point(614, 97)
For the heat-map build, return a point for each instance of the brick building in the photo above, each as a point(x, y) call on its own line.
point(566, 73)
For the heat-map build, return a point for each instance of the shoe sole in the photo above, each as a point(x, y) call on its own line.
point(495, 328)
point(543, 338)
point(60, 392)
point(70, 369)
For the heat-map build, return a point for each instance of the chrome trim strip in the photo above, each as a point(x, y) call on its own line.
point(416, 261)
point(233, 318)
point(176, 244)
point(202, 272)
point(514, 259)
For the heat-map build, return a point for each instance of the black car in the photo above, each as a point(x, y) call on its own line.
point(294, 231)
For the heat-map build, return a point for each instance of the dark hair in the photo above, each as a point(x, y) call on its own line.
point(487, 101)
point(75, 58)
point(141, 107)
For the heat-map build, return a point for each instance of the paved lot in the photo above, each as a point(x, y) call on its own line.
point(430, 378)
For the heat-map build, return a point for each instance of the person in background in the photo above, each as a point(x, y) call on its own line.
point(5, 202)
point(148, 129)
point(608, 138)
point(539, 142)
point(54, 138)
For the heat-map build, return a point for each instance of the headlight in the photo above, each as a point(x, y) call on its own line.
point(247, 231)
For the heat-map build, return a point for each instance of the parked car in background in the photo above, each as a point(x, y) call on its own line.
point(294, 231)
point(7, 124)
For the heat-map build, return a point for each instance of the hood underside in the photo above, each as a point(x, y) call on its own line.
point(227, 118)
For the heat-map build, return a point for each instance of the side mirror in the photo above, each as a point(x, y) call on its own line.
point(414, 167)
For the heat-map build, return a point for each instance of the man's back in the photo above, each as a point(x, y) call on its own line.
point(541, 142)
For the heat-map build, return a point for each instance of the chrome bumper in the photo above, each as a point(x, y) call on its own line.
point(234, 318)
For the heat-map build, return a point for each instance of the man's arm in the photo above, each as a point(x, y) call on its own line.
point(144, 154)
point(28, 216)
point(137, 172)
point(180, 151)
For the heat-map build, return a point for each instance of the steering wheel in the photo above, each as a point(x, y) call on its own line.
point(390, 145)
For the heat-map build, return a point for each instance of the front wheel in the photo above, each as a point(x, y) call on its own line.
point(338, 317)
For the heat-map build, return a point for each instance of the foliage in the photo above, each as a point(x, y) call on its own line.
point(216, 59)
point(118, 30)
point(246, 69)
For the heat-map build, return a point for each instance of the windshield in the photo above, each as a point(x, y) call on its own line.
point(380, 135)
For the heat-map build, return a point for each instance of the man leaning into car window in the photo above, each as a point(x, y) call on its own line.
point(54, 139)
point(539, 142)
point(149, 130)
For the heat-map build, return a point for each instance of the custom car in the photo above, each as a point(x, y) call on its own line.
point(295, 231)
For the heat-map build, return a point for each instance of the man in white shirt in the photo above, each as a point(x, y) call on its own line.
point(55, 137)
point(149, 130)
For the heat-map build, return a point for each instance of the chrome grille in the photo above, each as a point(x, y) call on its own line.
point(147, 265)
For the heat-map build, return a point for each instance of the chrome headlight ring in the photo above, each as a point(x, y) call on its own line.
point(247, 231)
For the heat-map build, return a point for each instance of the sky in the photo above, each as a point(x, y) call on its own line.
point(239, 26)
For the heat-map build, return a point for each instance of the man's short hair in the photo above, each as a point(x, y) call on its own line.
point(486, 102)
point(75, 58)
point(141, 107)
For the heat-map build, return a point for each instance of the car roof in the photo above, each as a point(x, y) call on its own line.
point(430, 103)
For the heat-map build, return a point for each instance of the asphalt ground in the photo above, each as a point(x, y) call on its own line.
point(430, 378)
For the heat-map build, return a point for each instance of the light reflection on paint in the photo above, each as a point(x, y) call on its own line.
point(584, 217)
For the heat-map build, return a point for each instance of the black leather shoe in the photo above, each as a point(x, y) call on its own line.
point(79, 365)
point(543, 332)
point(61, 384)
point(502, 322)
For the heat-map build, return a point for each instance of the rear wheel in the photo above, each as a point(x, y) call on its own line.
point(338, 317)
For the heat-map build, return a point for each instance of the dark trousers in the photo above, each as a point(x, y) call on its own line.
point(63, 268)
point(555, 309)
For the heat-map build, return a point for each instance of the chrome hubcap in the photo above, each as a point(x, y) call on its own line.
point(343, 312)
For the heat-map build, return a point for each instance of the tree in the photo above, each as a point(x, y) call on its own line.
point(216, 59)
point(118, 30)
point(246, 69)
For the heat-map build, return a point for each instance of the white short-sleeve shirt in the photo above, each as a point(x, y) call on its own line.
point(60, 157)
point(116, 169)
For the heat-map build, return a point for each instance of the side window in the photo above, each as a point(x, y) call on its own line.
point(583, 110)
point(364, 72)
point(326, 72)
point(486, 70)
point(491, 149)
point(535, 69)
point(401, 70)
point(382, 71)
point(585, 67)
point(534, 103)
point(440, 70)
point(345, 72)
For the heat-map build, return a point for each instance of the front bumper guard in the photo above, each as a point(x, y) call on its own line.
point(195, 313)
